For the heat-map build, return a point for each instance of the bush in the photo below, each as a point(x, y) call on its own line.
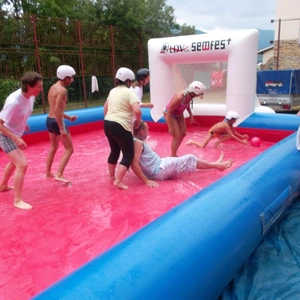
point(6, 88)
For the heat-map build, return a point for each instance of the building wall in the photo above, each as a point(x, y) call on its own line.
point(267, 55)
point(289, 38)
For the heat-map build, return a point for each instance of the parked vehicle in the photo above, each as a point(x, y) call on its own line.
point(279, 89)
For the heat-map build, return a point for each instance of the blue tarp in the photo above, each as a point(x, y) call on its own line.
point(273, 270)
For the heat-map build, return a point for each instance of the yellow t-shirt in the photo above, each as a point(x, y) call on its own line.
point(119, 106)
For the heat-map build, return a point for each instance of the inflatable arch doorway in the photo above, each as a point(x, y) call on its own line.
point(225, 62)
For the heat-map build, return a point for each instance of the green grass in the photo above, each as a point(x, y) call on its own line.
point(70, 106)
point(81, 105)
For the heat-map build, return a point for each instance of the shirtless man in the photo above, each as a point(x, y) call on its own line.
point(148, 166)
point(223, 131)
point(57, 99)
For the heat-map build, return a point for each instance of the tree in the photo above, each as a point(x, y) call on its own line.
point(187, 30)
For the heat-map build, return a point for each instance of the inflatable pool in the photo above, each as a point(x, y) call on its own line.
point(195, 249)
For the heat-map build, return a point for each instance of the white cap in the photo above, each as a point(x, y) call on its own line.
point(232, 115)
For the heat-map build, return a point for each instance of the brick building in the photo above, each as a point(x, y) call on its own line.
point(286, 50)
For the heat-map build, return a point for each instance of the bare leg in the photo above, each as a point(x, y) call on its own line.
point(223, 139)
point(8, 171)
point(54, 142)
point(191, 142)
point(219, 164)
point(181, 133)
point(67, 142)
point(201, 145)
point(177, 128)
point(111, 171)
point(119, 178)
point(19, 160)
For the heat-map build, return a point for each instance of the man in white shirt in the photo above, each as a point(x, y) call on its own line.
point(13, 123)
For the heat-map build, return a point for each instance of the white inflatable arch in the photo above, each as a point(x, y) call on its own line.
point(174, 62)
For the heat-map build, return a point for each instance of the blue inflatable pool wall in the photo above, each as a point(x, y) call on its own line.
point(196, 248)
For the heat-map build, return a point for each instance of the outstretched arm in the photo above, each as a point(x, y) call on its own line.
point(238, 137)
point(135, 166)
point(241, 136)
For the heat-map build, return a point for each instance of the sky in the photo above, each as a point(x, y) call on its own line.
point(214, 15)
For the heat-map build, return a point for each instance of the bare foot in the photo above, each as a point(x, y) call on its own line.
point(217, 144)
point(225, 164)
point(22, 205)
point(49, 176)
point(62, 179)
point(111, 178)
point(120, 185)
point(6, 188)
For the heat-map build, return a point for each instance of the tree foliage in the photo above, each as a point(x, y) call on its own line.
point(152, 16)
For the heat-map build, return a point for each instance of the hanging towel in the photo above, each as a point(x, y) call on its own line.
point(95, 87)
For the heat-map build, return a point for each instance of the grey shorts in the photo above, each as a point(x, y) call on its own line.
point(172, 166)
point(7, 144)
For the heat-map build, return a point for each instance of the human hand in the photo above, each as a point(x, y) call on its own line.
point(152, 184)
point(27, 128)
point(73, 118)
point(191, 119)
point(20, 143)
point(194, 123)
point(62, 131)
point(136, 123)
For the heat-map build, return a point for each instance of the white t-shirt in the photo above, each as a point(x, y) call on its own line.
point(139, 92)
point(16, 111)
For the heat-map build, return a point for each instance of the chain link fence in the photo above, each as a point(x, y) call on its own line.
point(41, 44)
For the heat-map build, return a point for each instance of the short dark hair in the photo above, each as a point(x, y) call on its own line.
point(31, 79)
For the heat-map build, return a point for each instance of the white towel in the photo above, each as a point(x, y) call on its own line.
point(95, 87)
point(298, 139)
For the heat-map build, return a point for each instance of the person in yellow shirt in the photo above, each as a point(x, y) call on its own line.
point(122, 113)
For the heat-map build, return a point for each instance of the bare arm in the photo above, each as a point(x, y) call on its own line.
point(20, 143)
point(236, 137)
point(241, 136)
point(147, 105)
point(60, 106)
point(70, 118)
point(191, 114)
point(135, 166)
point(137, 113)
point(105, 108)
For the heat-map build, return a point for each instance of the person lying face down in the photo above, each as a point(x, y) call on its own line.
point(149, 166)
